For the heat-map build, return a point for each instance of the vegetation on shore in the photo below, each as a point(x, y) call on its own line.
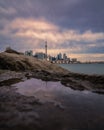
point(18, 62)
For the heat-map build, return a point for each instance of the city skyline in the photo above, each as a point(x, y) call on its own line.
point(74, 27)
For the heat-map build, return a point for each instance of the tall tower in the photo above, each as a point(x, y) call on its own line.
point(46, 50)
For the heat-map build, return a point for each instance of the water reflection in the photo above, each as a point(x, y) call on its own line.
point(82, 109)
point(54, 91)
point(45, 91)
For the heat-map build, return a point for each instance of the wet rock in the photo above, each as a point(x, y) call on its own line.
point(98, 91)
point(72, 84)
point(59, 105)
point(10, 81)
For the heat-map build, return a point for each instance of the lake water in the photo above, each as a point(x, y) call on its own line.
point(81, 109)
point(85, 68)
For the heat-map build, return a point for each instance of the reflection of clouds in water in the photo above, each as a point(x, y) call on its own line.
point(79, 105)
point(55, 92)
point(38, 88)
point(41, 89)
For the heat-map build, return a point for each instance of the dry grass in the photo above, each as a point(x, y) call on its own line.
point(17, 62)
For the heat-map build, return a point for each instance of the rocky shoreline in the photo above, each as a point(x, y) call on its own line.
point(74, 80)
point(22, 112)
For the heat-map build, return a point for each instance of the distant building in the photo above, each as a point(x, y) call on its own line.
point(64, 56)
point(59, 56)
point(74, 60)
point(40, 55)
point(49, 58)
point(29, 53)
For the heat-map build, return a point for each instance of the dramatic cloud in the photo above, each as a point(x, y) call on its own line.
point(8, 11)
point(75, 27)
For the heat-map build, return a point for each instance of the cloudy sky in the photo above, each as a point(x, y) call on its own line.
point(74, 27)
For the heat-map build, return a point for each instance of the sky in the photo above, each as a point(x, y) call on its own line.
point(74, 27)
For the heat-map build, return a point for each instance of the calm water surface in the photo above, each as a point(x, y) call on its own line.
point(54, 91)
point(81, 108)
point(85, 68)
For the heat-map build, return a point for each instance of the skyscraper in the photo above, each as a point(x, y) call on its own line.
point(64, 56)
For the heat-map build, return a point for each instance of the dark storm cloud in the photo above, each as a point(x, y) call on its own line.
point(94, 50)
point(75, 14)
point(82, 15)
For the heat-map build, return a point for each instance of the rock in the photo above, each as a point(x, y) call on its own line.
point(10, 50)
point(59, 105)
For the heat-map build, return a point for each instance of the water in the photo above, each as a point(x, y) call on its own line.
point(44, 91)
point(82, 109)
point(85, 68)
point(53, 91)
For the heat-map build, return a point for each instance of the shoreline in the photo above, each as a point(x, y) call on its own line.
point(76, 81)
point(27, 112)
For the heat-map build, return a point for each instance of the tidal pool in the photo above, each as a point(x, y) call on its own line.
point(83, 108)
point(55, 91)
point(48, 91)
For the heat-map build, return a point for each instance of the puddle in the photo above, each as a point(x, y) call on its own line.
point(55, 92)
point(43, 90)
point(83, 109)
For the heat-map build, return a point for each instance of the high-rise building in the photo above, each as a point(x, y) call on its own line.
point(64, 56)
point(59, 56)
point(40, 55)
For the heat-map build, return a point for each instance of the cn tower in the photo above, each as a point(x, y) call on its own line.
point(46, 50)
